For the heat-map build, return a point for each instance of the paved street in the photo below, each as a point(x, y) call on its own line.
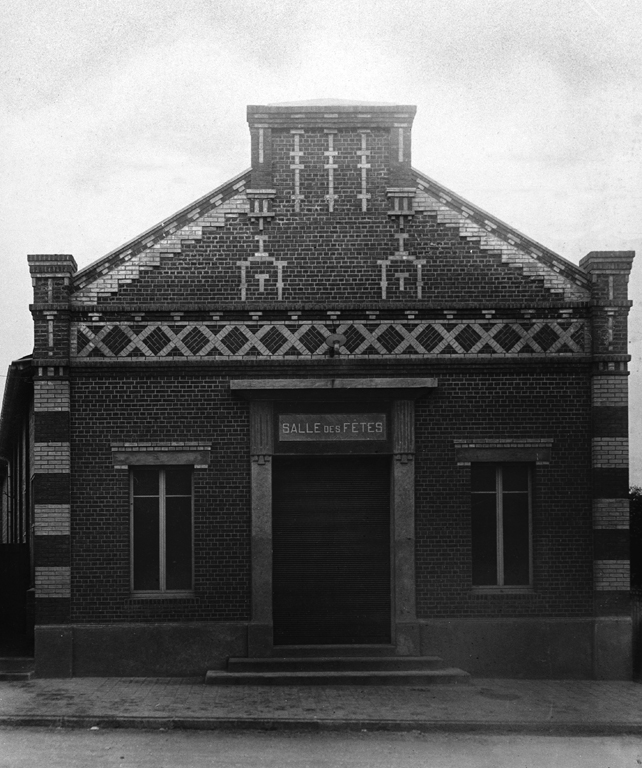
point(556, 707)
point(60, 748)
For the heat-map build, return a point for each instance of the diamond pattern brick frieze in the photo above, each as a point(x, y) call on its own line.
point(507, 337)
point(116, 339)
point(296, 338)
point(274, 340)
point(157, 341)
point(353, 339)
point(195, 340)
point(391, 339)
point(429, 337)
point(234, 339)
point(468, 338)
point(312, 339)
point(545, 337)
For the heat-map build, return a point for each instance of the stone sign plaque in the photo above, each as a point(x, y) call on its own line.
point(332, 426)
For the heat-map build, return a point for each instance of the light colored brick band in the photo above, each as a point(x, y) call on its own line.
point(611, 513)
point(610, 452)
point(511, 253)
point(281, 339)
point(51, 458)
point(506, 442)
point(610, 575)
point(52, 519)
point(610, 390)
point(144, 445)
point(51, 396)
point(53, 582)
point(138, 264)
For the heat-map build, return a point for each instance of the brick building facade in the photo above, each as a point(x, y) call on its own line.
point(330, 403)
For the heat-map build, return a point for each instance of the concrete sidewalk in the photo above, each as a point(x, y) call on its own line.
point(526, 706)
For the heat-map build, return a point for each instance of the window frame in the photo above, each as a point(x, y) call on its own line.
point(162, 592)
point(500, 587)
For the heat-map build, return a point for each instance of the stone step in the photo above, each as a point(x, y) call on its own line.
point(445, 676)
point(16, 668)
point(288, 651)
point(334, 664)
point(15, 676)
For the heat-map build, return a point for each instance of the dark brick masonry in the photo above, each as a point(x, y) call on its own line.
point(158, 408)
point(149, 339)
point(479, 405)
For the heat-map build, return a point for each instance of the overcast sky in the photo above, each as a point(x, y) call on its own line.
point(116, 113)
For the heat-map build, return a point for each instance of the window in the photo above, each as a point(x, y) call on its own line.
point(501, 524)
point(161, 529)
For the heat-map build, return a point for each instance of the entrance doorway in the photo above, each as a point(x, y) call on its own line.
point(331, 550)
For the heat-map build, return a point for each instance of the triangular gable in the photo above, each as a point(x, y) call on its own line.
point(129, 262)
point(164, 240)
point(562, 277)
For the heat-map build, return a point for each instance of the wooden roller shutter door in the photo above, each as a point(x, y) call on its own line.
point(331, 550)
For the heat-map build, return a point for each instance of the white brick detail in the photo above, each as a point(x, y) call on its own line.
point(174, 445)
point(53, 582)
point(610, 452)
point(51, 457)
point(506, 442)
point(611, 575)
point(52, 519)
point(610, 513)
point(132, 268)
point(51, 396)
point(511, 255)
point(506, 338)
point(610, 390)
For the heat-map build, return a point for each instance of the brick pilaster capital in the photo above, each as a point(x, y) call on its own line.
point(609, 272)
point(608, 262)
point(50, 264)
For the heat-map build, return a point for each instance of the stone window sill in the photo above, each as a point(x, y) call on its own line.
point(142, 596)
point(490, 590)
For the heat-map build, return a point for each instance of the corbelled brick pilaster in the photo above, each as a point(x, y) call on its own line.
point(609, 273)
point(51, 275)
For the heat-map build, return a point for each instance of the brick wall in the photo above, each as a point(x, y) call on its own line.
point(331, 211)
point(154, 406)
point(530, 405)
point(331, 258)
point(147, 407)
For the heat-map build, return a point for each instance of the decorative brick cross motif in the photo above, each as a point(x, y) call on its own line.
point(261, 279)
point(402, 209)
point(401, 257)
point(261, 145)
point(402, 277)
point(331, 166)
point(295, 338)
point(364, 152)
point(260, 209)
point(261, 257)
point(297, 167)
point(401, 236)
